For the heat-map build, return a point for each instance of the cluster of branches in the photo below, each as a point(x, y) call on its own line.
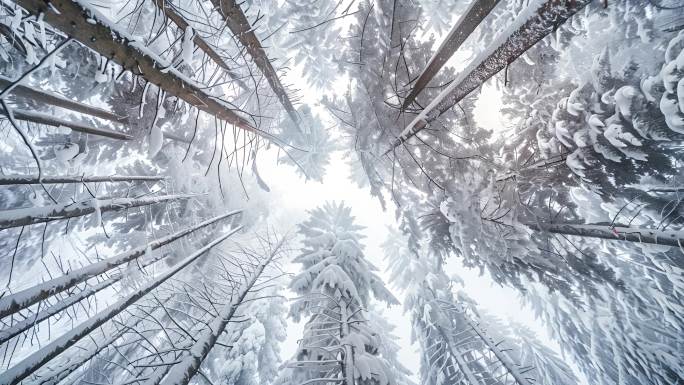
point(138, 313)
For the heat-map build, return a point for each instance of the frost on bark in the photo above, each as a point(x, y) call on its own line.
point(243, 31)
point(541, 21)
point(53, 121)
point(25, 298)
point(33, 215)
point(614, 232)
point(177, 19)
point(463, 28)
point(94, 32)
point(59, 101)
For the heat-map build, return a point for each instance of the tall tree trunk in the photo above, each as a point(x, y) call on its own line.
point(185, 370)
point(243, 31)
point(92, 30)
point(33, 215)
point(13, 303)
point(60, 101)
point(177, 19)
point(50, 120)
point(473, 16)
point(33, 362)
point(618, 233)
point(544, 20)
point(42, 315)
point(539, 165)
point(348, 349)
point(8, 180)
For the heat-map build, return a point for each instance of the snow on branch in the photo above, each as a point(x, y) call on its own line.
point(538, 21)
point(33, 362)
point(93, 30)
point(25, 298)
point(33, 215)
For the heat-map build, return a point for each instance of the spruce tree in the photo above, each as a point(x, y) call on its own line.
point(336, 288)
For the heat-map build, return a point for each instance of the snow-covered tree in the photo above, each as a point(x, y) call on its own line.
point(336, 288)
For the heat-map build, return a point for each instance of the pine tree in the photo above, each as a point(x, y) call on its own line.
point(336, 289)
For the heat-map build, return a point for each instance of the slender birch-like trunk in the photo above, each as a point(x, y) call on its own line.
point(348, 349)
point(59, 101)
point(8, 180)
point(53, 121)
point(618, 233)
point(237, 21)
point(463, 28)
point(33, 215)
point(20, 300)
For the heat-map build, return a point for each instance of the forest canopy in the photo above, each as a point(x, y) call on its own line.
point(341, 192)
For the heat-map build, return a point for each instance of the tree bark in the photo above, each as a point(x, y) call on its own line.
point(243, 31)
point(616, 233)
point(60, 101)
point(544, 20)
point(21, 326)
point(542, 164)
point(199, 42)
point(33, 362)
point(49, 120)
point(8, 180)
point(20, 300)
point(348, 349)
point(33, 215)
point(93, 31)
point(465, 26)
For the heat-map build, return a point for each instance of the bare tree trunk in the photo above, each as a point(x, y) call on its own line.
point(465, 26)
point(542, 164)
point(49, 120)
point(666, 189)
point(618, 233)
point(241, 28)
point(547, 18)
point(42, 315)
point(60, 101)
point(33, 362)
point(86, 27)
point(184, 371)
point(13, 303)
point(199, 42)
point(8, 180)
point(348, 349)
point(33, 215)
